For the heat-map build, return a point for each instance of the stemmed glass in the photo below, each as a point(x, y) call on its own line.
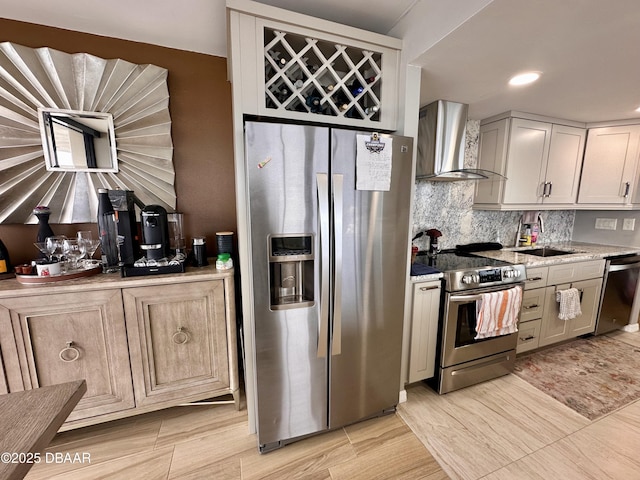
point(72, 251)
point(89, 247)
point(54, 247)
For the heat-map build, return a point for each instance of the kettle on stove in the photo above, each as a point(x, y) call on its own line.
point(434, 245)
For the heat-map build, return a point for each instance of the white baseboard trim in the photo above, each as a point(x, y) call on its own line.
point(403, 396)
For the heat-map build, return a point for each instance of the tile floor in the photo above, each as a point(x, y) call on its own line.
point(504, 429)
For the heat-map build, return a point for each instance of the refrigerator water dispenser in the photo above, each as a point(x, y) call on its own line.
point(291, 266)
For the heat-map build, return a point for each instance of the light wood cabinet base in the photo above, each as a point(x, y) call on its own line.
point(141, 343)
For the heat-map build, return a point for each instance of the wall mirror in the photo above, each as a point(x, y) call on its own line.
point(75, 141)
point(126, 104)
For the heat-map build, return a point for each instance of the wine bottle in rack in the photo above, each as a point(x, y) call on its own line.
point(371, 110)
point(356, 88)
point(275, 55)
point(299, 83)
point(313, 101)
point(283, 94)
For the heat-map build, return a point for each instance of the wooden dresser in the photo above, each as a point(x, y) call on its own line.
point(141, 343)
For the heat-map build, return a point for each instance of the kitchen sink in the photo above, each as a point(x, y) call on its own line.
point(546, 252)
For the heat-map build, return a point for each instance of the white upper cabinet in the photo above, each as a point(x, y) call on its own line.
point(297, 67)
point(609, 173)
point(541, 162)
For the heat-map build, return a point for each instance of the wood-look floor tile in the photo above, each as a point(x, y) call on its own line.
point(149, 465)
point(632, 338)
point(194, 422)
point(308, 458)
point(480, 429)
point(216, 452)
point(397, 456)
point(118, 442)
point(375, 432)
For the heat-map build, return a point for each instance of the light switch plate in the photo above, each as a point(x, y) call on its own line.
point(606, 223)
point(629, 224)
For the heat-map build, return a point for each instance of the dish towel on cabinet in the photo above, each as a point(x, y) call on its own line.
point(497, 313)
point(569, 300)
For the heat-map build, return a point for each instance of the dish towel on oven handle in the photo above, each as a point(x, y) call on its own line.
point(569, 300)
point(497, 313)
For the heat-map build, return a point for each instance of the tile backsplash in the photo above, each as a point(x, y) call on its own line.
point(447, 206)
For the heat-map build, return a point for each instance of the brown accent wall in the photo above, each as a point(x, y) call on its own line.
point(200, 106)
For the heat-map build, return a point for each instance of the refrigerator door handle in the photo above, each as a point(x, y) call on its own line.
point(338, 202)
point(323, 216)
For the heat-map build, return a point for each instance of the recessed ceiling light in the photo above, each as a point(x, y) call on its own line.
point(638, 109)
point(524, 78)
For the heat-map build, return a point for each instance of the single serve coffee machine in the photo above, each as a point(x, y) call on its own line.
point(155, 232)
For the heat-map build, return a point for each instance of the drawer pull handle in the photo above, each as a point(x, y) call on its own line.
point(424, 289)
point(180, 337)
point(69, 348)
point(530, 337)
point(535, 305)
point(534, 279)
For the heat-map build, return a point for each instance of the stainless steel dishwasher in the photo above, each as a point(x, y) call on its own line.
point(618, 292)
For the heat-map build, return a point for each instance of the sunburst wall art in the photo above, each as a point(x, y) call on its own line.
point(137, 97)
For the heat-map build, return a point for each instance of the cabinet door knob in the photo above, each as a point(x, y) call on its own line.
point(180, 337)
point(69, 350)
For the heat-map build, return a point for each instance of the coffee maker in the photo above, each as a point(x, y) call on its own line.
point(124, 202)
point(155, 232)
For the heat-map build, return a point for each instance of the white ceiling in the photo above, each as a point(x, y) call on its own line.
point(586, 49)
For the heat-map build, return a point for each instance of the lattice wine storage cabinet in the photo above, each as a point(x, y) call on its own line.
point(329, 74)
point(304, 74)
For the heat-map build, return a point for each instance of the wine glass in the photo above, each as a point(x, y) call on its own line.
point(72, 251)
point(84, 235)
point(54, 247)
point(89, 247)
point(42, 246)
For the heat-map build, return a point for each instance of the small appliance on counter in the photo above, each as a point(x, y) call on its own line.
point(530, 227)
point(155, 246)
point(155, 232)
point(124, 202)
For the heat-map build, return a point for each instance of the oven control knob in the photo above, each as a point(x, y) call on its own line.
point(511, 273)
point(469, 278)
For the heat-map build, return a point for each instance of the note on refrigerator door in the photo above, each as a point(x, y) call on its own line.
point(373, 163)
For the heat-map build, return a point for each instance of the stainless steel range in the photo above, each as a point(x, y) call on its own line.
point(462, 359)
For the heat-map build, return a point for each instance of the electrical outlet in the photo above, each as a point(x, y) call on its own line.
point(606, 223)
point(629, 224)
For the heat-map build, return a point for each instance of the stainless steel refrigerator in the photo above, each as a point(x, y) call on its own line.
point(329, 275)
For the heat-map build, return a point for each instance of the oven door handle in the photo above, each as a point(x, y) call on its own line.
point(464, 298)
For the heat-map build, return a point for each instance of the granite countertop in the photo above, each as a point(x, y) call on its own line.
point(581, 252)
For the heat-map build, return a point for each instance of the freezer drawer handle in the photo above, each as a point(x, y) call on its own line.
point(336, 331)
point(323, 215)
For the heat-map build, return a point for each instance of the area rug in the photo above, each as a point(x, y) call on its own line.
point(593, 376)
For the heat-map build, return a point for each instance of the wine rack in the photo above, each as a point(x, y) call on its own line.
point(318, 77)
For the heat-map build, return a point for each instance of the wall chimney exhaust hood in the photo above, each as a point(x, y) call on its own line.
point(442, 129)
